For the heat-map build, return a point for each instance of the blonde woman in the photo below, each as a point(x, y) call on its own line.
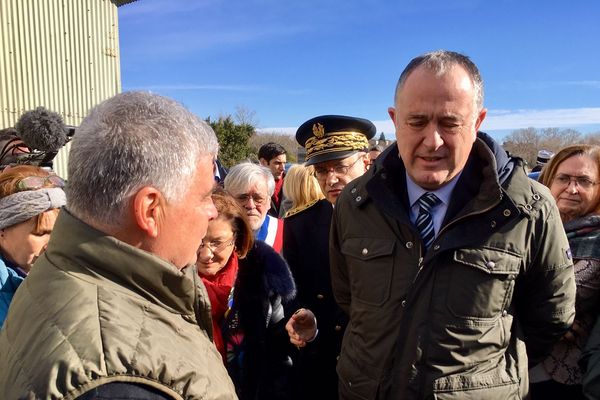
point(301, 189)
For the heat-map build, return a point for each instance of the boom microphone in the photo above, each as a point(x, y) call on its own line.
point(42, 130)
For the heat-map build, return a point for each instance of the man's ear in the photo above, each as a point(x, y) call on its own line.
point(366, 161)
point(263, 162)
point(480, 117)
point(148, 210)
point(392, 114)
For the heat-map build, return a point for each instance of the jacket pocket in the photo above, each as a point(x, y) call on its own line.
point(481, 282)
point(355, 382)
point(492, 386)
point(370, 260)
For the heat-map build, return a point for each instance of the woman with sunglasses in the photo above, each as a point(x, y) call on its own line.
point(247, 283)
point(30, 198)
point(573, 177)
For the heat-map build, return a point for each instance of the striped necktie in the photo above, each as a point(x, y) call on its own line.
point(424, 220)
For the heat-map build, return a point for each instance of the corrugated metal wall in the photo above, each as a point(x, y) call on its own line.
point(60, 54)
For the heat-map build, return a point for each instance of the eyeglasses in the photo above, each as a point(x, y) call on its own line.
point(38, 182)
point(256, 198)
point(340, 169)
point(564, 180)
point(217, 246)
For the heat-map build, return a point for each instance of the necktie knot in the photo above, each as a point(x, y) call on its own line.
point(427, 201)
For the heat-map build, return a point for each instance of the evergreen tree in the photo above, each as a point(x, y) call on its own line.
point(233, 139)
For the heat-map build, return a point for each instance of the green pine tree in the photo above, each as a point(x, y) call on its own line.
point(233, 140)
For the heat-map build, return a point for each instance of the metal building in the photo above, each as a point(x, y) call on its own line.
point(60, 54)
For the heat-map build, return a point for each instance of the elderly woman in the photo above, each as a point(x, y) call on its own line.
point(247, 283)
point(573, 176)
point(29, 201)
point(301, 189)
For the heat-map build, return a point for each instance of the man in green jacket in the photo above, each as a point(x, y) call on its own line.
point(115, 308)
point(452, 265)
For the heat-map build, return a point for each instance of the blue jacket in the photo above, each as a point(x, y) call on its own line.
point(9, 282)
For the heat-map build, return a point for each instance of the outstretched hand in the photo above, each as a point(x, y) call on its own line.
point(302, 327)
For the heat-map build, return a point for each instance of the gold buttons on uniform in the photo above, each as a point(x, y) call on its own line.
point(320, 297)
point(365, 251)
point(338, 328)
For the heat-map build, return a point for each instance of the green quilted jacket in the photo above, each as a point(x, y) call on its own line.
point(95, 310)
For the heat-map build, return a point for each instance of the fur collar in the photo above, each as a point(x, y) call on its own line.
point(277, 276)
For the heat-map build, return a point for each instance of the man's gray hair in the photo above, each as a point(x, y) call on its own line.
point(129, 141)
point(439, 62)
point(241, 176)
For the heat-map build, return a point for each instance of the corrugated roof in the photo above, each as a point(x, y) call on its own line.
point(120, 3)
point(60, 55)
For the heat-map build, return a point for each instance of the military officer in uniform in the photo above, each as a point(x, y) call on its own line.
point(336, 146)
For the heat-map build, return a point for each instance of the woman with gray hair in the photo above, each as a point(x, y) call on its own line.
point(30, 198)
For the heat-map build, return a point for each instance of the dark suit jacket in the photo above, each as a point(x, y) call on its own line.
point(306, 249)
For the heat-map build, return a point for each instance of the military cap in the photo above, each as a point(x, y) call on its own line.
point(332, 137)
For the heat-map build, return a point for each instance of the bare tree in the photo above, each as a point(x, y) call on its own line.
point(593, 138)
point(523, 143)
point(526, 143)
point(287, 141)
point(245, 116)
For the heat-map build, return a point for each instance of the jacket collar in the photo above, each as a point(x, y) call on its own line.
point(479, 187)
point(76, 247)
point(262, 259)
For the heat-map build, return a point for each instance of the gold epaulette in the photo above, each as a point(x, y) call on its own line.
point(297, 210)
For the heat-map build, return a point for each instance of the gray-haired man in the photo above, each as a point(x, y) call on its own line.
point(113, 306)
point(252, 187)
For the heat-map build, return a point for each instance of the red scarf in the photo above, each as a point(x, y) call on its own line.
point(218, 288)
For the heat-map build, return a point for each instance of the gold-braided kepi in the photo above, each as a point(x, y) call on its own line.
point(333, 137)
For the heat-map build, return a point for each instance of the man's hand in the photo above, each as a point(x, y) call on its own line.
point(574, 332)
point(302, 327)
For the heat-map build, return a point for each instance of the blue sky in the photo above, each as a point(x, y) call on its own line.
point(289, 61)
